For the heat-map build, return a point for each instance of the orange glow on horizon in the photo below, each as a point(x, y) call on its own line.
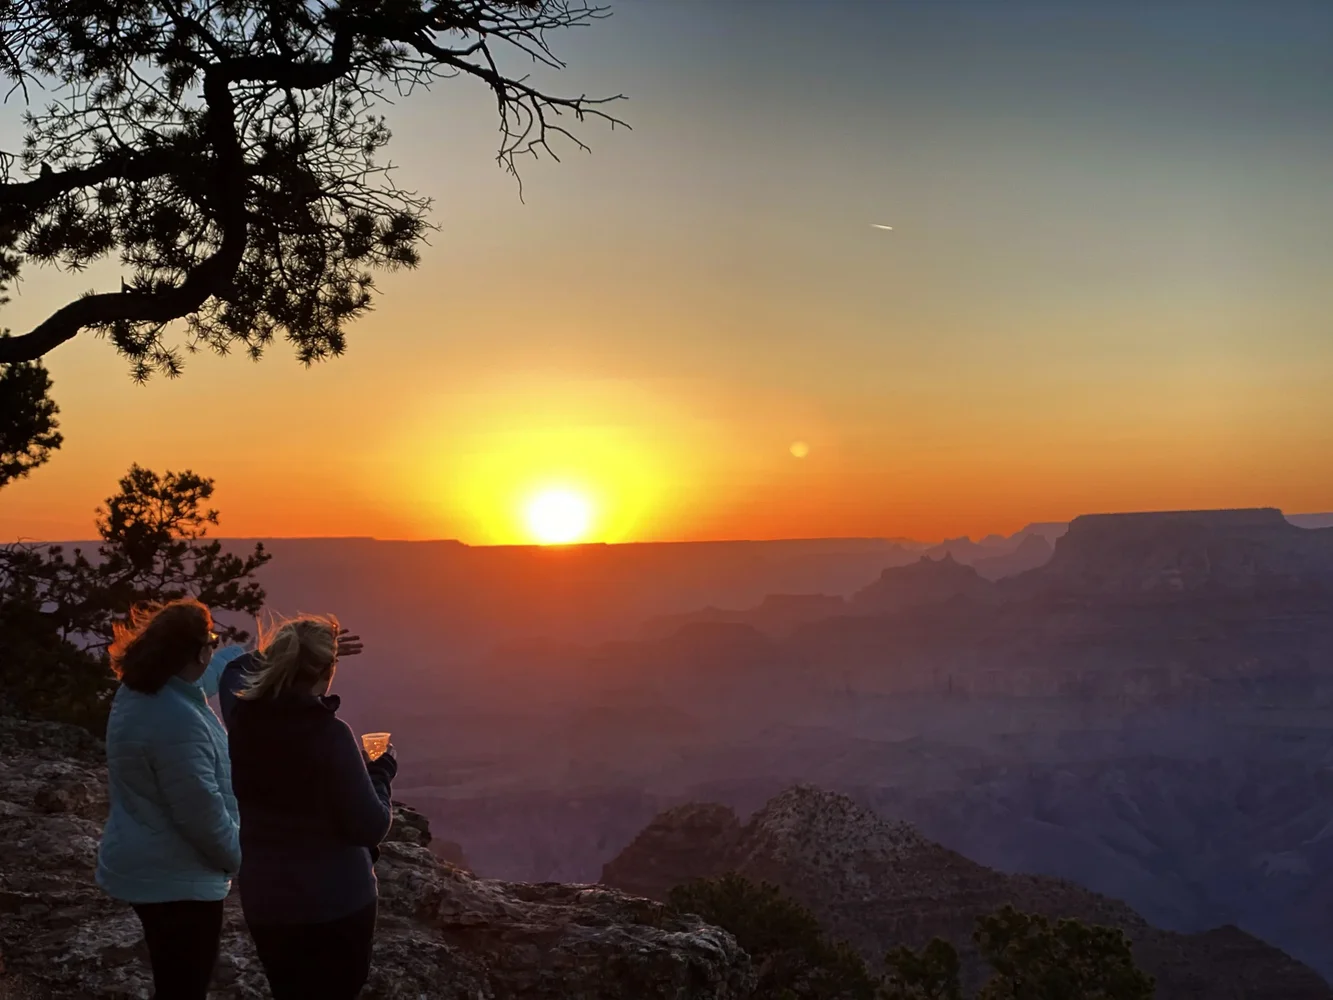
point(523, 460)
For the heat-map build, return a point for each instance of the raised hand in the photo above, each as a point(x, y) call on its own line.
point(348, 644)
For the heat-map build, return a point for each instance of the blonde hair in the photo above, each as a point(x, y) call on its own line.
point(293, 651)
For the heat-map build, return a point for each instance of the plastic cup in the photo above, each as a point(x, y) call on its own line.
point(375, 744)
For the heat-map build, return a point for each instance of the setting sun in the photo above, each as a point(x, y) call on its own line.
point(559, 517)
point(522, 460)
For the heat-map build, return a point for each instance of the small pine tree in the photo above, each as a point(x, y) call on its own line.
point(933, 974)
point(1035, 959)
point(56, 610)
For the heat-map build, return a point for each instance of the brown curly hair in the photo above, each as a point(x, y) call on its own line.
point(158, 642)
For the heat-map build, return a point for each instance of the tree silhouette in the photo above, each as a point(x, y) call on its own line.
point(56, 609)
point(228, 156)
point(228, 153)
point(28, 423)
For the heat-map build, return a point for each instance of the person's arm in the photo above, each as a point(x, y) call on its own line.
point(360, 789)
point(187, 778)
point(216, 666)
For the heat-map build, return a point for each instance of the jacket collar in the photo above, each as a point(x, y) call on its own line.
point(190, 689)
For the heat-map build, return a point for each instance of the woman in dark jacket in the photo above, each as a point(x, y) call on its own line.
point(313, 811)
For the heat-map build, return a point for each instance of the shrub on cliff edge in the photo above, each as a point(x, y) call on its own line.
point(56, 609)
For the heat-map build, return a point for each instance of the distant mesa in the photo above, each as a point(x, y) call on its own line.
point(1000, 548)
point(966, 551)
point(1049, 530)
point(1155, 553)
point(927, 581)
point(1240, 517)
point(1311, 520)
point(1033, 552)
point(1177, 551)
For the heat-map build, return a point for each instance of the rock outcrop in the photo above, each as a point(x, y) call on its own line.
point(443, 933)
point(925, 582)
point(875, 884)
point(682, 844)
point(1167, 552)
point(1033, 552)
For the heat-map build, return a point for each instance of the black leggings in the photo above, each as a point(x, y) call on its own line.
point(330, 961)
point(182, 942)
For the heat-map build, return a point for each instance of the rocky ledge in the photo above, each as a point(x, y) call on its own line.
point(444, 934)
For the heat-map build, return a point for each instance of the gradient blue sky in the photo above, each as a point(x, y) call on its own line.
point(1109, 286)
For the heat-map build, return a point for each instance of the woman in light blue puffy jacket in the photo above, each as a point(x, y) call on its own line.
point(170, 847)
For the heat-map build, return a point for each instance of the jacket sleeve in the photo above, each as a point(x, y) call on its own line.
point(360, 792)
point(232, 680)
point(187, 778)
point(216, 666)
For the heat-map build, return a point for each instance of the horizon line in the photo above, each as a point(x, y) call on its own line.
point(899, 540)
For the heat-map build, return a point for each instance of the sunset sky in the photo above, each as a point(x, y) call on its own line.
point(1108, 286)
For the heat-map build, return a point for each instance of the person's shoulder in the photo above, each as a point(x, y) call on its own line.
point(175, 716)
point(130, 718)
point(331, 723)
point(229, 654)
point(334, 730)
point(126, 701)
point(133, 707)
point(245, 661)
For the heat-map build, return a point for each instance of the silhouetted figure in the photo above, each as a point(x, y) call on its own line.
point(314, 810)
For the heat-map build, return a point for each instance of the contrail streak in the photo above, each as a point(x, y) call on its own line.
point(878, 226)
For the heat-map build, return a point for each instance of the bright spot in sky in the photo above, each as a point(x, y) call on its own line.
point(559, 517)
point(800, 449)
point(878, 226)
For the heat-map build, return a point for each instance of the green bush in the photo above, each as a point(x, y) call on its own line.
point(1031, 958)
point(931, 974)
point(1035, 959)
